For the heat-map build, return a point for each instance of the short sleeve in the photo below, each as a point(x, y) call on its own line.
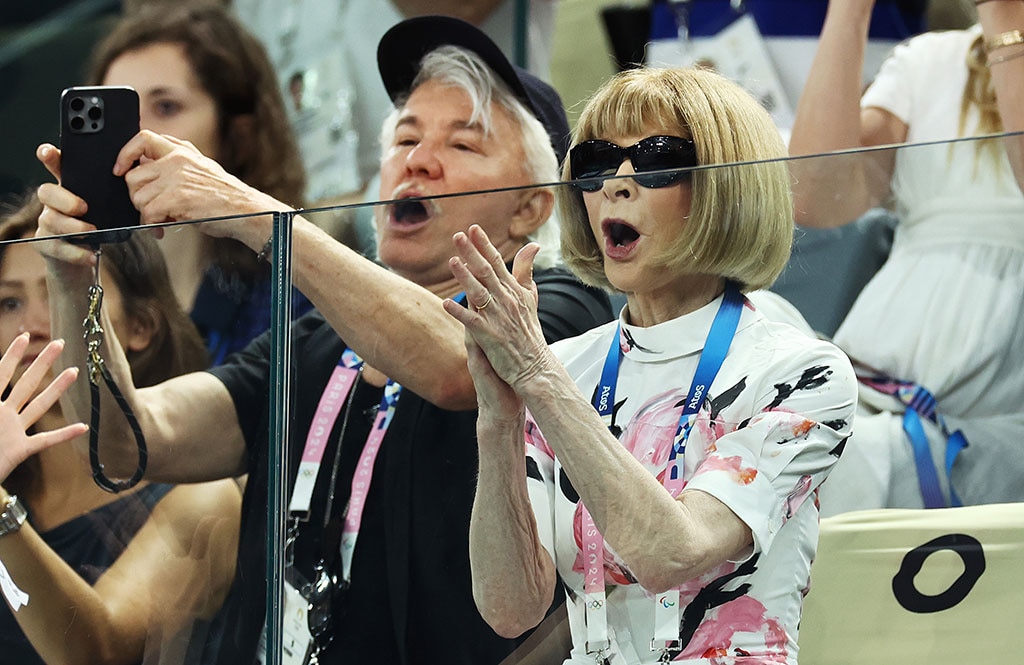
point(246, 375)
point(892, 87)
point(767, 467)
point(908, 82)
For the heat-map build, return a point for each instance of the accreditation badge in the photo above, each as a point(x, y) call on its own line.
point(295, 637)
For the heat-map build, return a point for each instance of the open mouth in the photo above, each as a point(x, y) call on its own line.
point(620, 235)
point(410, 212)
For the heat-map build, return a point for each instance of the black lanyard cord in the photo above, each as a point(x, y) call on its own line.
point(93, 336)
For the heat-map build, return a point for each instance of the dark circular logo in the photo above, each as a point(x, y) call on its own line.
point(907, 594)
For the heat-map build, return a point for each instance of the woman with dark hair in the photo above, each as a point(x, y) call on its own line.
point(96, 577)
point(202, 78)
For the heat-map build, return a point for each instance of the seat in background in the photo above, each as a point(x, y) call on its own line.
point(829, 267)
point(916, 586)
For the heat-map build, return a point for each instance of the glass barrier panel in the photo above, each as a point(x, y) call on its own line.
point(162, 549)
point(353, 422)
point(854, 210)
point(857, 213)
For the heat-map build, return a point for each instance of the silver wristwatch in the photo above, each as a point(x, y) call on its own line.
point(13, 516)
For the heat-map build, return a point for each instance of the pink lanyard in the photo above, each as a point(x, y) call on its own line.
point(343, 378)
point(667, 611)
point(339, 388)
point(363, 475)
point(365, 467)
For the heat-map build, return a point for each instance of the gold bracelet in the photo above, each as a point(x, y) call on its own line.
point(1005, 39)
point(1004, 58)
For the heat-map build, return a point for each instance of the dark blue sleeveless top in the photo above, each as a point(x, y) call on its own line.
point(89, 544)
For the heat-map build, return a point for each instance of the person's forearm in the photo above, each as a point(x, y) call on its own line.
point(189, 423)
point(828, 113)
point(1006, 65)
point(653, 533)
point(828, 119)
point(68, 287)
point(395, 325)
point(65, 620)
point(177, 568)
point(513, 575)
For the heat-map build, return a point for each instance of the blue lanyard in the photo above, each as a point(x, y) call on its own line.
point(716, 346)
point(667, 609)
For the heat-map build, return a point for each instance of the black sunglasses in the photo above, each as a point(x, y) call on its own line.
point(591, 160)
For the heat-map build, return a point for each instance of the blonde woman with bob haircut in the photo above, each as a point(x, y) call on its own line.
point(673, 457)
point(748, 244)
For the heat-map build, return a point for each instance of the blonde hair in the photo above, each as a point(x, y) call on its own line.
point(979, 92)
point(740, 222)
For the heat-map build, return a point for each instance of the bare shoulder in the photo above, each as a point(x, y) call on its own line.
point(213, 497)
point(199, 510)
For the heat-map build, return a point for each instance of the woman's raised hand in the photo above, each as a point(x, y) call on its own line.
point(501, 312)
point(23, 405)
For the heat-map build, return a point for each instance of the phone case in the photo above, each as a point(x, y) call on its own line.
point(95, 123)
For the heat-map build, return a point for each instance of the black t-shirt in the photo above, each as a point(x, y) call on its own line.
point(410, 600)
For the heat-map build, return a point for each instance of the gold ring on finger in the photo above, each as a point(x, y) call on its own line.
point(480, 308)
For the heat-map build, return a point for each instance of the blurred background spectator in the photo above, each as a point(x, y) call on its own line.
point(330, 46)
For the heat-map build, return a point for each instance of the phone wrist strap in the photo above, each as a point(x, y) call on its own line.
point(93, 336)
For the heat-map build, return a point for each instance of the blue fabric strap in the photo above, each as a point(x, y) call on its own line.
point(954, 444)
point(920, 403)
point(719, 339)
point(927, 476)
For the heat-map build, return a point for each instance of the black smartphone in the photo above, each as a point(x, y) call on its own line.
point(95, 123)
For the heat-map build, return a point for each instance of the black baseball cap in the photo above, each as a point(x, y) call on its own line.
point(403, 46)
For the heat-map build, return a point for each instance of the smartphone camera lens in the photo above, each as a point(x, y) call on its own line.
point(85, 114)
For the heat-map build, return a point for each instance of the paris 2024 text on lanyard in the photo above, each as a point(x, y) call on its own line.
point(309, 631)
